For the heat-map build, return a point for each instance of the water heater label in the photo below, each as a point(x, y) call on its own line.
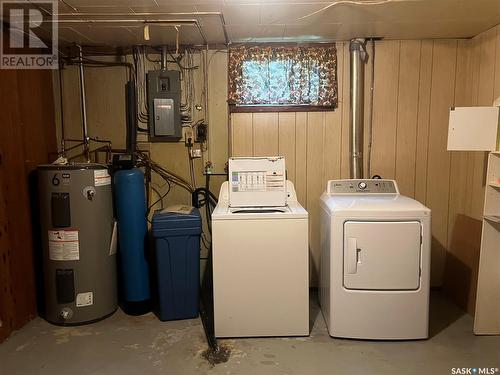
point(101, 177)
point(84, 299)
point(64, 245)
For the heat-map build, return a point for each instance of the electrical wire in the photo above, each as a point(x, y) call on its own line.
point(205, 242)
point(139, 57)
point(191, 166)
point(159, 200)
point(182, 67)
point(205, 92)
point(159, 195)
point(351, 2)
point(205, 88)
point(152, 60)
point(171, 177)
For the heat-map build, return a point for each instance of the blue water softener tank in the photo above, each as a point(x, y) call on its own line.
point(177, 248)
point(130, 203)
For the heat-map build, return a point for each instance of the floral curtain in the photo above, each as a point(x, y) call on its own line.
point(265, 75)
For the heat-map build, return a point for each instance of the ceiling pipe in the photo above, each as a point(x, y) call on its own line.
point(358, 58)
point(86, 139)
point(140, 21)
point(163, 61)
point(72, 17)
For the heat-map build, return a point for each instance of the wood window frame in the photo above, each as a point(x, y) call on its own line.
point(233, 108)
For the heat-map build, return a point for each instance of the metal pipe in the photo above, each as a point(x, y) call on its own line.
point(224, 28)
point(74, 146)
point(357, 50)
point(157, 22)
point(370, 118)
point(131, 116)
point(206, 62)
point(163, 61)
point(86, 140)
point(61, 108)
point(62, 16)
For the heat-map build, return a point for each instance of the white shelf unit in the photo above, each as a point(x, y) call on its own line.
point(487, 316)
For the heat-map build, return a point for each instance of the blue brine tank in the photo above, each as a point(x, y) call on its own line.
point(177, 247)
point(132, 234)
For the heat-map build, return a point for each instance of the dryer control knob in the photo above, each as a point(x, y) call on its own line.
point(362, 185)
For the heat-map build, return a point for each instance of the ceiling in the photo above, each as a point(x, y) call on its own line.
point(121, 22)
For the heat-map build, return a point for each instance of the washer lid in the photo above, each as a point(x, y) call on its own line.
point(382, 255)
point(291, 211)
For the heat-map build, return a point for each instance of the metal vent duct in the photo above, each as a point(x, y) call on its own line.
point(357, 50)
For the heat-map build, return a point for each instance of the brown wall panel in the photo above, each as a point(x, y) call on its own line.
point(385, 108)
point(27, 137)
point(406, 126)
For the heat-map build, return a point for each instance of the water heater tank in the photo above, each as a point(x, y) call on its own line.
point(79, 243)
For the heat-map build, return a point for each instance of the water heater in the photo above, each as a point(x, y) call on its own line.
point(79, 243)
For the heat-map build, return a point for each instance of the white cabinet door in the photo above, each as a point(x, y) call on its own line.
point(382, 255)
point(473, 129)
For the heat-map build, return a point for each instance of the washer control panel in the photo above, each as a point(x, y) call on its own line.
point(371, 186)
point(257, 182)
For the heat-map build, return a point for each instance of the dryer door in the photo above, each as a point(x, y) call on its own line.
point(382, 255)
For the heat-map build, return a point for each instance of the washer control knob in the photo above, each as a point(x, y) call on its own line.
point(362, 185)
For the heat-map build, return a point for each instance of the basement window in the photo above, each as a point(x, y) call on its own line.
point(265, 78)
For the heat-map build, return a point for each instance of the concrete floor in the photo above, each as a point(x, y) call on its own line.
point(125, 345)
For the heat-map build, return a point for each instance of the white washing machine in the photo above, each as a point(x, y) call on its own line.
point(260, 253)
point(375, 261)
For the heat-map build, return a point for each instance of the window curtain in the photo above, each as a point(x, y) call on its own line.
point(266, 75)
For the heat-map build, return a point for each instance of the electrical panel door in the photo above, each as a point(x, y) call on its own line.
point(382, 255)
point(164, 117)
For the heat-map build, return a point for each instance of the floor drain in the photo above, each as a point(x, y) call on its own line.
point(215, 357)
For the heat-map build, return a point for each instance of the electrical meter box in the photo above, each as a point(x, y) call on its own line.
point(164, 98)
point(257, 182)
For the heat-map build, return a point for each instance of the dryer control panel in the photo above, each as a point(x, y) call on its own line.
point(362, 186)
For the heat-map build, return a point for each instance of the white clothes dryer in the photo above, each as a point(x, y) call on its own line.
point(375, 261)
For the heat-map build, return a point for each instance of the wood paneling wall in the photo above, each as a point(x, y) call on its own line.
point(477, 84)
point(415, 84)
point(27, 138)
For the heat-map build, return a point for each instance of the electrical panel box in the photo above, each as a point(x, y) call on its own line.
point(164, 98)
point(473, 129)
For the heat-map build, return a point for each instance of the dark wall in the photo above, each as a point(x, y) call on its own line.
point(27, 138)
